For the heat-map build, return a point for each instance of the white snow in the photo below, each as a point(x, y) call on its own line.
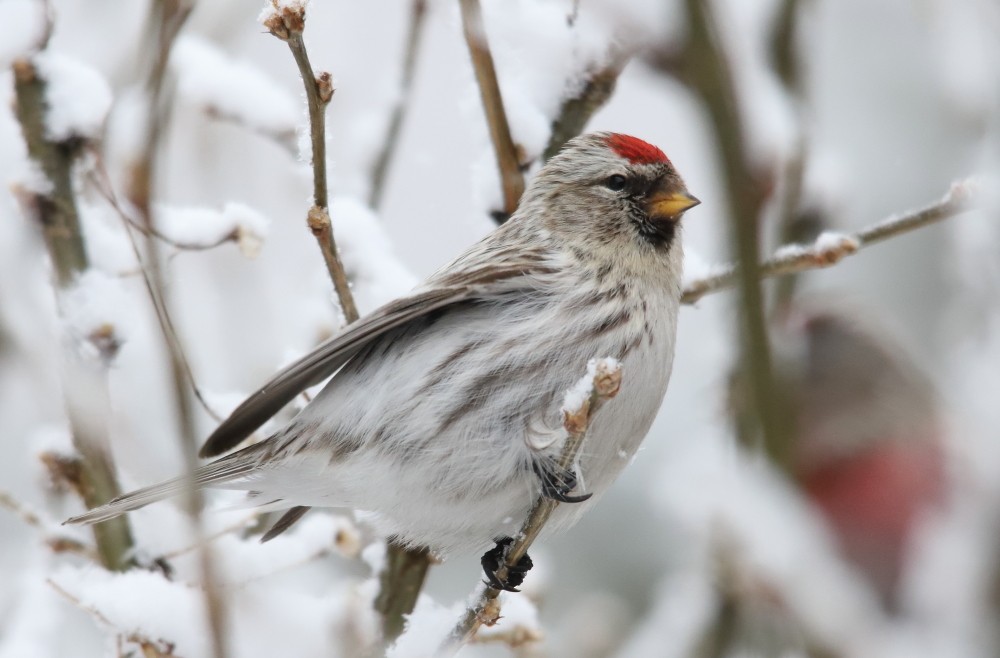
point(426, 628)
point(97, 304)
point(376, 273)
point(836, 242)
point(22, 26)
point(232, 88)
point(274, 8)
point(77, 96)
point(200, 227)
point(578, 394)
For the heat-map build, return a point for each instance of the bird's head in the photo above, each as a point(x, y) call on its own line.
point(611, 189)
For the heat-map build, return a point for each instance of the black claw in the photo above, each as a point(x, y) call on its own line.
point(558, 482)
point(494, 558)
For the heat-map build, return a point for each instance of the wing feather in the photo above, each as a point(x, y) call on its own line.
point(480, 277)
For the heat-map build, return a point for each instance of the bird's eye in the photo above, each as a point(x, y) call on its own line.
point(616, 182)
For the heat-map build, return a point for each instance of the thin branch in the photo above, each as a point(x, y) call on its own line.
point(99, 178)
point(58, 217)
point(508, 162)
point(166, 19)
point(829, 249)
point(288, 23)
point(577, 109)
point(605, 384)
point(57, 543)
point(418, 12)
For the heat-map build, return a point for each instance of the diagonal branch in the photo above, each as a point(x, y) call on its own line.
point(511, 177)
point(830, 248)
point(605, 380)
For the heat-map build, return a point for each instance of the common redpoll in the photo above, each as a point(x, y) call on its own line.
point(443, 415)
point(868, 444)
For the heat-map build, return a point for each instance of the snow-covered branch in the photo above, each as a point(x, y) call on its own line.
point(831, 248)
point(50, 200)
point(601, 383)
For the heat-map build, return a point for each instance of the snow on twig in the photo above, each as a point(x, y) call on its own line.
point(830, 248)
point(601, 383)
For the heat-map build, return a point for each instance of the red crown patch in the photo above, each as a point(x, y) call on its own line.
point(635, 150)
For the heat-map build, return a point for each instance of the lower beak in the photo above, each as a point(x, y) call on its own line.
point(670, 207)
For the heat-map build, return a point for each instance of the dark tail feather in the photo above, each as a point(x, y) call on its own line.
point(287, 520)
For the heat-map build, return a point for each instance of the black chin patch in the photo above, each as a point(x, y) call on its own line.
point(659, 234)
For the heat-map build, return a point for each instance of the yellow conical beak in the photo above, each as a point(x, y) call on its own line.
point(669, 206)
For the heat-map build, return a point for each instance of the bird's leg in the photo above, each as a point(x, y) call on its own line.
point(557, 482)
point(494, 558)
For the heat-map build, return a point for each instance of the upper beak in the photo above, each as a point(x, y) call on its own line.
point(669, 206)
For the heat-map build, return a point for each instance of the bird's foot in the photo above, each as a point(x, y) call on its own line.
point(557, 482)
point(495, 558)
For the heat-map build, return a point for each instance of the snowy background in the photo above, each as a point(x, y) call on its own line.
point(702, 548)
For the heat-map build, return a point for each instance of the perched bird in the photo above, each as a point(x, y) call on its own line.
point(443, 414)
point(869, 447)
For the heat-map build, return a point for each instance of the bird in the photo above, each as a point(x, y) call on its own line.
point(869, 449)
point(442, 417)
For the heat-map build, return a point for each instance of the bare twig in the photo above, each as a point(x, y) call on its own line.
point(418, 12)
point(101, 182)
point(829, 249)
point(288, 23)
point(57, 215)
point(577, 109)
point(57, 543)
point(508, 162)
point(605, 384)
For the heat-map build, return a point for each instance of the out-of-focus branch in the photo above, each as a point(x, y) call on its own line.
point(400, 583)
point(577, 109)
point(101, 182)
point(830, 248)
point(56, 212)
point(605, 384)
point(288, 23)
point(418, 12)
point(58, 544)
point(793, 224)
point(166, 19)
point(703, 66)
point(287, 140)
point(508, 162)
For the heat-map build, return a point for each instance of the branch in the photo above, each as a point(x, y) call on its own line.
point(604, 381)
point(511, 177)
point(166, 19)
point(831, 248)
point(101, 182)
point(287, 22)
point(577, 109)
point(56, 212)
point(703, 65)
point(418, 12)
